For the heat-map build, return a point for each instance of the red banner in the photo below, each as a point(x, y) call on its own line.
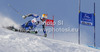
point(50, 22)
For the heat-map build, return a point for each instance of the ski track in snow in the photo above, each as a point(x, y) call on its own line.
point(23, 42)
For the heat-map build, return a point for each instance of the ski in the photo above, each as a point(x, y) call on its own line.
point(12, 28)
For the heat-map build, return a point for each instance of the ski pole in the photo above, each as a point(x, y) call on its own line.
point(15, 10)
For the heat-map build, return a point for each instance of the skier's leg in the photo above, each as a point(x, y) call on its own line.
point(26, 25)
point(33, 28)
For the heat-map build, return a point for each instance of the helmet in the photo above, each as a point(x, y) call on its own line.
point(44, 16)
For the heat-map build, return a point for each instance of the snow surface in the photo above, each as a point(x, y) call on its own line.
point(6, 21)
point(23, 42)
point(20, 42)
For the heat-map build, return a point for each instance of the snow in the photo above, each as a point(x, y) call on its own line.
point(6, 21)
point(23, 42)
point(20, 42)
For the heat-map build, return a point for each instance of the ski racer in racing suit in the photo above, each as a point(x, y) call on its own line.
point(32, 24)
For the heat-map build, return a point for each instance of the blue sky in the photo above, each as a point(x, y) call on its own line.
point(66, 10)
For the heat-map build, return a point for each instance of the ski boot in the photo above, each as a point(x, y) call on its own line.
point(45, 35)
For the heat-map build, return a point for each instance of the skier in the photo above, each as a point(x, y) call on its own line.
point(32, 24)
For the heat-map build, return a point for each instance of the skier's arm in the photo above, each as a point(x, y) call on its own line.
point(33, 15)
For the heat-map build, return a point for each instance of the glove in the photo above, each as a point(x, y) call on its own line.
point(24, 16)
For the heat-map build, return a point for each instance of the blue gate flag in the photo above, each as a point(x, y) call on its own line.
point(87, 19)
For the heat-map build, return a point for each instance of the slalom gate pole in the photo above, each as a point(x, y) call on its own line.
point(79, 24)
point(94, 26)
point(53, 28)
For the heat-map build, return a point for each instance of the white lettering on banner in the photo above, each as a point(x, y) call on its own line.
point(86, 16)
point(50, 23)
point(86, 23)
